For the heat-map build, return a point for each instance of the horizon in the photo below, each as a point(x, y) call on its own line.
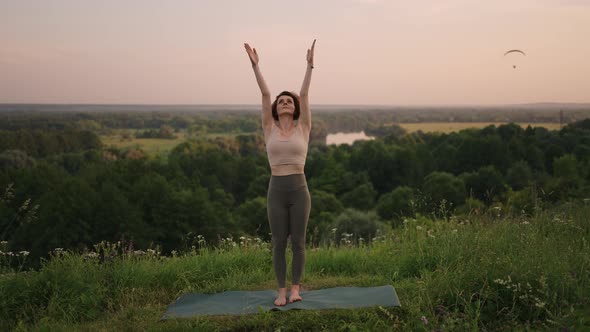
point(540, 104)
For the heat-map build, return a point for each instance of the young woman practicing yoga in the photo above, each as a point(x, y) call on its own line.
point(286, 124)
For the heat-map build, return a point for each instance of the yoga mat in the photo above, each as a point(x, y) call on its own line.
point(249, 302)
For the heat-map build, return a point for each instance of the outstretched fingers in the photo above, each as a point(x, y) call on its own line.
point(252, 54)
point(310, 52)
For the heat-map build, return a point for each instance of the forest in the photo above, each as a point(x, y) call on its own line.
point(62, 187)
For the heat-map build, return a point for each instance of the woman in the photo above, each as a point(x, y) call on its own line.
point(286, 124)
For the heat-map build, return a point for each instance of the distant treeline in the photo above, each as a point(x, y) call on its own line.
point(218, 187)
point(216, 119)
point(42, 143)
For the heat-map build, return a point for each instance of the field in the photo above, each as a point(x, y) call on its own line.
point(477, 273)
point(448, 127)
point(155, 146)
point(152, 146)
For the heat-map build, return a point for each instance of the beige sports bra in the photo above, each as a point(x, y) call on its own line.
point(286, 151)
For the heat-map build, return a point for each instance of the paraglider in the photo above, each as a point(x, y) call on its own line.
point(514, 51)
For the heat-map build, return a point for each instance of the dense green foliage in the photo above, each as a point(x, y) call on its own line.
point(474, 225)
point(218, 187)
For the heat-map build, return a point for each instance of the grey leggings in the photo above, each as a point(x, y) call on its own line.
point(288, 209)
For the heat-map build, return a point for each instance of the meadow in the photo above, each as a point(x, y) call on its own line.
point(449, 127)
point(151, 146)
point(464, 273)
point(156, 146)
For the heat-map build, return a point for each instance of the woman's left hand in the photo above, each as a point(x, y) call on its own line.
point(310, 54)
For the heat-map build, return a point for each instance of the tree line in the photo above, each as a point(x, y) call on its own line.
point(76, 196)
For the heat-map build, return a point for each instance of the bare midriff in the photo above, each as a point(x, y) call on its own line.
point(283, 170)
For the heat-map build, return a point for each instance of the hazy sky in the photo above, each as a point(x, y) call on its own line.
point(367, 51)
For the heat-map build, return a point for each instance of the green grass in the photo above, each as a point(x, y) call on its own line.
point(467, 274)
point(449, 127)
point(151, 146)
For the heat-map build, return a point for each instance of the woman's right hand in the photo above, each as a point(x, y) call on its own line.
point(252, 54)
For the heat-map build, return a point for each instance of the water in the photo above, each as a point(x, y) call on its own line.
point(346, 138)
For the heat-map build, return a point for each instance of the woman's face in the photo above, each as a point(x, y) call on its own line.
point(285, 105)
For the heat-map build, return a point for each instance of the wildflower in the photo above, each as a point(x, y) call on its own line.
point(424, 320)
point(419, 228)
point(24, 253)
point(3, 242)
point(540, 304)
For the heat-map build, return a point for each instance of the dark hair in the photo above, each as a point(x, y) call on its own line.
point(295, 97)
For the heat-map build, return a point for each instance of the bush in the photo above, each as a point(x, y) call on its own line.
point(397, 204)
point(442, 187)
point(352, 225)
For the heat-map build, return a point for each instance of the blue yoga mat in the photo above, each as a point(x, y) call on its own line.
point(249, 302)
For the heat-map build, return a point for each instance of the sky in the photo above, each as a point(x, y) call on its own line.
point(370, 52)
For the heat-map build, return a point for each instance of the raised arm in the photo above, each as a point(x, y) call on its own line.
point(305, 116)
point(267, 119)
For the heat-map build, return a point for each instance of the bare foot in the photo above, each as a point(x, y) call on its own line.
point(282, 298)
point(294, 296)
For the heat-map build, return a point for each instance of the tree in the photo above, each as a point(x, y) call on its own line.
point(252, 218)
point(567, 177)
point(16, 159)
point(358, 224)
point(439, 186)
point(445, 157)
point(322, 201)
point(486, 184)
point(360, 198)
point(397, 204)
point(519, 175)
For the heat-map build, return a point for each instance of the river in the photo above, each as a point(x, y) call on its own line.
point(346, 138)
